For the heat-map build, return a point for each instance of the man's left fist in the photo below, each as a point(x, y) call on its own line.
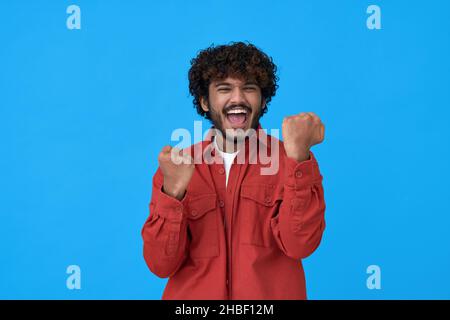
point(300, 133)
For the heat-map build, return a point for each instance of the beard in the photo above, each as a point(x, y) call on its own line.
point(216, 120)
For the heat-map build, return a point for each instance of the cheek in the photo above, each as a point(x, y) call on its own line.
point(255, 101)
point(218, 104)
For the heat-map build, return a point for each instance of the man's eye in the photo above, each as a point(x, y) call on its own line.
point(249, 88)
point(223, 89)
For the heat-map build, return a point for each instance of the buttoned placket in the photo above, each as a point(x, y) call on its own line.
point(228, 222)
point(227, 203)
point(234, 179)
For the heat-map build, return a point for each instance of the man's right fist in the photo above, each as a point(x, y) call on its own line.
point(177, 169)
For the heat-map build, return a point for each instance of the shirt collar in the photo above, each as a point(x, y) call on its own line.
point(263, 140)
point(262, 136)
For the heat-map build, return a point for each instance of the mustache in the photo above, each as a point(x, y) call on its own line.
point(225, 110)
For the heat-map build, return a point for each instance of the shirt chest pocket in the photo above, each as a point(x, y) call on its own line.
point(258, 204)
point(202, 222)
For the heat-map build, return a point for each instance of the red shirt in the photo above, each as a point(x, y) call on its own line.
point(240, 241)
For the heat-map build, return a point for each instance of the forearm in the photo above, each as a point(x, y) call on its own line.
point(165, 233)
point(300, 223)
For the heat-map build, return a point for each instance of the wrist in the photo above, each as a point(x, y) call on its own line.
point(174, 191)
point(301, 155)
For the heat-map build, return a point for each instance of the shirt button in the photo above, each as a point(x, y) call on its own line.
point(221, 170)
point(298, 174)
point(194, 213)
point(221, 203)
point(267, 199)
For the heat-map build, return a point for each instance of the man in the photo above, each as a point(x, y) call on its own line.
point(224, 230)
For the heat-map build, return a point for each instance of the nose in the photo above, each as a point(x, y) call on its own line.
point(238, 97)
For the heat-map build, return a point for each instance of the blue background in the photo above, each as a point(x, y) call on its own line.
point(84, 113)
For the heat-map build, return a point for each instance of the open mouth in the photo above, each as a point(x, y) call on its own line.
point(237, 116)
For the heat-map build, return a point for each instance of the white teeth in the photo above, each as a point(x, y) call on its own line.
point(237, 110)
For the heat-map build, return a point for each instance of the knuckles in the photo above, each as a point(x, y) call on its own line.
point(299, 125)
point(300, 120)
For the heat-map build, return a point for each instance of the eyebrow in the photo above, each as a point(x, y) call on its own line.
point(223, 84)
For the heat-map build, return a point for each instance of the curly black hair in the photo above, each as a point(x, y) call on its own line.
point(237, 59)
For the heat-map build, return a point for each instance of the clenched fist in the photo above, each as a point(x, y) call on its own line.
point(177, 169)
point(300, 133)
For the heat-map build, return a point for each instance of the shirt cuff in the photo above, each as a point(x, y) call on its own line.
point(169, 207)
point(300, 174)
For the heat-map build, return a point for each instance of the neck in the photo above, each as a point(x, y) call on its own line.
point(227, 145)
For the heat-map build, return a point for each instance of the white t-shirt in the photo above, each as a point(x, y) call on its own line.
point(228, 159)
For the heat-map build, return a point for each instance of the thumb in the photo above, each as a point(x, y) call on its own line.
point(187, 159)
point(166, 149)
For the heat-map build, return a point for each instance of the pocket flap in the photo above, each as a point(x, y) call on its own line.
point(199, 205)
point(267, 195)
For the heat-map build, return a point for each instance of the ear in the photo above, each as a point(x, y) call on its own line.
point(204, 104)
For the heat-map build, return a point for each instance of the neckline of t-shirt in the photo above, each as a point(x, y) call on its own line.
point(224, 154)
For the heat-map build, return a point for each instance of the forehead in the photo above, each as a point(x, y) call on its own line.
point(234, 81)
